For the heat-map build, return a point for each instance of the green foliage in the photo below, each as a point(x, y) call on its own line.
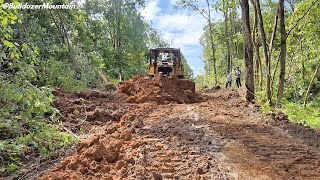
point(204, 81)
point(188, 72)
point(12, 167)
point(119, 36)
point(309, 116)
point(24, 121)
point(303, 50)
point(59, 74)
point(25, 109)
point(302, 56)
point(261, 99)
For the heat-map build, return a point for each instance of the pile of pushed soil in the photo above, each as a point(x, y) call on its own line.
point(101, 156)
point(162, 90)
point(111, 152)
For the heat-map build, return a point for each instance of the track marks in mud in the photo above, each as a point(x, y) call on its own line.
point(257, 149)
point(184, 148)
point(221, 137)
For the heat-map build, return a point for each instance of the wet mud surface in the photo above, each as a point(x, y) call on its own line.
point(217, 137)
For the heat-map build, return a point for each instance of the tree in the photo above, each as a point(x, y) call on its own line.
point(265, 51)
point(188, 72)
point(223, 6)
point(255, 42)
point(248, 51)
point(283, 52)
point(206, 13)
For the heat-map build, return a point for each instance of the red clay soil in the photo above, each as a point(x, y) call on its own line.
point(161, 90)
point(101, 156)
point(221, 137)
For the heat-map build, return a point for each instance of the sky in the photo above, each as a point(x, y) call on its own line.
point(182, 28)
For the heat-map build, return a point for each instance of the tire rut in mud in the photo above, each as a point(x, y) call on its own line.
point(179, 146)
point(257, 149)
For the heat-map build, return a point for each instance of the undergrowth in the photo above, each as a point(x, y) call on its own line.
point(28, 125)
point(308, 116)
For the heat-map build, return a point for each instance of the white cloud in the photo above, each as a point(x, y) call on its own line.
point(173, 2)
point(185, 32)
point(183, 29)
point(151, 10)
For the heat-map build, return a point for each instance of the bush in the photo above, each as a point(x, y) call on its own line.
point(24, 127)
point(309, 116)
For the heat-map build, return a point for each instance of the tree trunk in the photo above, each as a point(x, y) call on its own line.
point(212, 46)
point(274, 73)
point(231, 38)
point(273, 35)
point(265, 51)
point(310, 84)
point(302, 56)
point(257, 58)
point(248, 52)
point(283, 52)
point(225, 13)
point(274, 30)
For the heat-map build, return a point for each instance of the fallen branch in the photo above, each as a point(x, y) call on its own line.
point(83, 120)
point(103, 76)
point(310, 84)
point(69, 131)
point(313, 3)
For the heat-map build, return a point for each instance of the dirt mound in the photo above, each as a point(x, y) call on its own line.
point(111, 152)
point(161, 90)
point(102, 156)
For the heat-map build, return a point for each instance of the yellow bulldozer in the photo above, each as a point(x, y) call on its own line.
point(166, 61)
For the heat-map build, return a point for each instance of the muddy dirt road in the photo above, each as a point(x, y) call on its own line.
point(218, 137)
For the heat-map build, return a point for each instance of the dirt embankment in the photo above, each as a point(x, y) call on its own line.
point(86, 110)
point(162, 90)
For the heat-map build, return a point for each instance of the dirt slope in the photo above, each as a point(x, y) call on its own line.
point(221, 137)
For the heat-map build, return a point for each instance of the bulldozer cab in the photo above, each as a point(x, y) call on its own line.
point(166, 61)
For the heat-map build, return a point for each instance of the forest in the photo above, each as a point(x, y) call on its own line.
point(104, 42)
point(279, 40)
